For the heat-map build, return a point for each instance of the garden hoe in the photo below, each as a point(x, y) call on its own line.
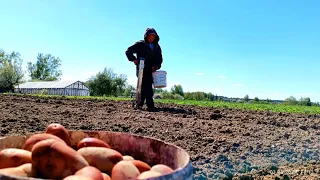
point(139, 84)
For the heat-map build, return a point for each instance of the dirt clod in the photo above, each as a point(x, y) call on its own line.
point(215, 116)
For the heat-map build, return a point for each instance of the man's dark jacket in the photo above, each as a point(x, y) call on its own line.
point(142, 49)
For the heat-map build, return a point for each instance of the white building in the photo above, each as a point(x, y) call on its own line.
point(67, 88)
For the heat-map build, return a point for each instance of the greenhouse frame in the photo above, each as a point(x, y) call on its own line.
point(66, 88)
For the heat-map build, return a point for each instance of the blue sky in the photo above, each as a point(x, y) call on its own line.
point(267, 48)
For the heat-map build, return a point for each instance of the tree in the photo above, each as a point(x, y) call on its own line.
point(199, 96)
point(246, 98)
point(167, 95)
point(210, 97)
point(291, 101)
point(11, 72)
point(118, 85)
point(100, 85)
point(256, 99)
point(178, 97)
point(158, 90)
point(2, 57)
point(128, 90)
point(189, 96)
point(47, 68)
point(107, 83)
point(177, 89)
point(305, 101)
point(315, 103)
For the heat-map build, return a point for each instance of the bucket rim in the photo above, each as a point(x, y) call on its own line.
point(186, 168)
point(160, 71)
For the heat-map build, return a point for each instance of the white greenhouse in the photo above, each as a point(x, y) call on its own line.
point(67, 88)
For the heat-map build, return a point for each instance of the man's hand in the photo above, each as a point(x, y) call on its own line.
point(154, 68)
point(136, 62)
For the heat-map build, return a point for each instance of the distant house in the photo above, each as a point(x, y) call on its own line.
point(67, 88)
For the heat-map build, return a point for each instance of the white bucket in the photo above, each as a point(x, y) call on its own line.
point(160, 79)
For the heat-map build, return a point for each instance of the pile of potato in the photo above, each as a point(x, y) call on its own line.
point(49, 155)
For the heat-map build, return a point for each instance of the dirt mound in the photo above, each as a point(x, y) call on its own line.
point(223, 143)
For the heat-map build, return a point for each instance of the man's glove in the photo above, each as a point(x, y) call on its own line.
point(154, 68)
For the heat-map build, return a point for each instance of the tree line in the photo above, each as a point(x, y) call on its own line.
point(104, 83)
point(177, 92)
point(46, 68)
point(304, 101)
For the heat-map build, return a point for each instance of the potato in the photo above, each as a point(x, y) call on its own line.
point(127, 158)
point(56, 160)
point(124, 170)
point(106, 176)
point(142, 166)
point(91, 172)
point(148, 174)
point(77, 177)
point(59, 131)
point(92, 142)
point(161, 168)
point(32, 140)
point(102, 158)
point(24, 170)
point(12, 157)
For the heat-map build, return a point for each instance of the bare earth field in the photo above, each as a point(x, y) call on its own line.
point(223, 143)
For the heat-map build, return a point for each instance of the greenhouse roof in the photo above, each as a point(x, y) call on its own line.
point(47, 84)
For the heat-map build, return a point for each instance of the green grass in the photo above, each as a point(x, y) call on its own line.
point(235, 105)
point(252, 106)
point(75, 97)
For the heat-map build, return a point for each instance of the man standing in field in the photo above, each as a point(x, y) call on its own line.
point(149, 49)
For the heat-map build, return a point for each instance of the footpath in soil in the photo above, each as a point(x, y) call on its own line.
point(223, 143)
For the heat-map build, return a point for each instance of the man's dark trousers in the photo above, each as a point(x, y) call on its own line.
point(146, 89)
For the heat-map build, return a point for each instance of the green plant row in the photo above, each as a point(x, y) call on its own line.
point(233, 105)
point(250, 106)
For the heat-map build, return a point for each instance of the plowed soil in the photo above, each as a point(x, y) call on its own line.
point(223, 143)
